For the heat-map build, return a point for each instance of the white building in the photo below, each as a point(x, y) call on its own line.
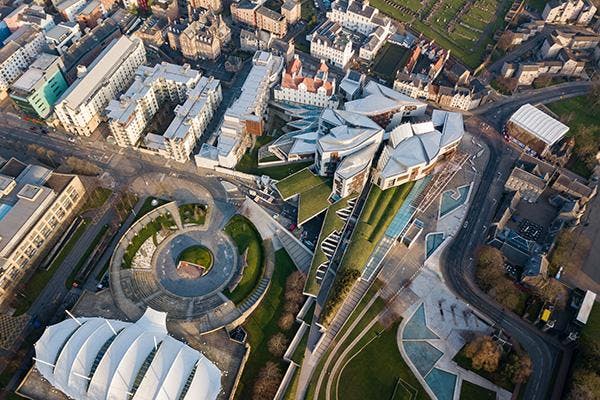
point(329, 42)
point(296, 87)
point(19, 51)
point(35, 203)
point(94, 358)
point(413, 150)
point(244, 118)
point(577, 12)
point(357, 16)
point(62, 36)
point(80, 107)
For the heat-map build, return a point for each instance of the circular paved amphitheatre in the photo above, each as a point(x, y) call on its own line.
point(144, 271)
point(166, 262)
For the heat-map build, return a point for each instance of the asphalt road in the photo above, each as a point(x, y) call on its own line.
point(544, 350)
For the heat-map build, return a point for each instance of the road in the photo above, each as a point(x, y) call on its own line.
point(544, 350)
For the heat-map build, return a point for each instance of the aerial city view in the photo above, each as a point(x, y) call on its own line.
point(299, 199)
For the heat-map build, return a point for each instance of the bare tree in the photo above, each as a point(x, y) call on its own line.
point(484, 353)
point(278, 344)
point(269, 377)
point(286, 321)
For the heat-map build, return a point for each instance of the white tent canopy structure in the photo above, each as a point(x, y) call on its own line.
point(96, 358)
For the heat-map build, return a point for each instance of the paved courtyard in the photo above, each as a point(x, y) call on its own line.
point(217, 278)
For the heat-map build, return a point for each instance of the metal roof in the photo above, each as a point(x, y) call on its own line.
point(539, 124)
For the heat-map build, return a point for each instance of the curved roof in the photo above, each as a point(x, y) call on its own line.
point(85, 359)
point(539, 124)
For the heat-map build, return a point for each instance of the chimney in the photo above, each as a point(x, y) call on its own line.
point(81, 70)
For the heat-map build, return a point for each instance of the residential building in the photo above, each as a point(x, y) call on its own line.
point(384, 105)
point(414, 149)
point(35, 205)
point(152, 31)
point(567, 63)
point(245, 117)
point(62, 36)
point(69, 9)
point(291, 11)
point(568, 39)
point(529, 185)
point(197, 98)
point(124, 357)
point(296, 87)
point(535, 130)
point(27, 14)
point(461, 98)
point(125, 20)
point(165, 9)
point(256, 15)
point(79, 109)
point(271, 21)
point(86, 50)
point(19, 50)
point(90, 15)
point(415, 86)
point(253, 41)
point(357, 16)
point(329, 42)
point(213, 5)
point(576, 12)
point(38, 89)
point(201, 38)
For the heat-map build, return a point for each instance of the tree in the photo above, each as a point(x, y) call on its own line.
point(269, 377)
point(505, 40)
point(570, 251)
point(518, 368)
point(484, 353)
point(490, 267)
point(552, 291)
point(278, 344)
point(286, 321)
point(586, 385)
point(505, 293)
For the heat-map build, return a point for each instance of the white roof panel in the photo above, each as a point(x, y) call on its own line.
point(539, 124)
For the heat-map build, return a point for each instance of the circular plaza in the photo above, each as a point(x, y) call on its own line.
point(177, 258)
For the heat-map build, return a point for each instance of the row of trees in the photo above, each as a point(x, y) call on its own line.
point(491, 278)
point(270, 375)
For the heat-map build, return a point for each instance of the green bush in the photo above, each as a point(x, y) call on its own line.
point(341, 287)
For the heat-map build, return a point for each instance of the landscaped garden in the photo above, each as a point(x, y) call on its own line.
point(198, 255)
point(193, 213)
point(269, 333)
point(465, 28)
point(471, 391)
point(161, 223)
point(389, 59)
point(299, 182)
point(249, 245)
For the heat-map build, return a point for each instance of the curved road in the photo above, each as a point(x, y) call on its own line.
point(543, 350)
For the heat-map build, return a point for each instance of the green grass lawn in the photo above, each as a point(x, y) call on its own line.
point(375, 371)
point(378, 212)
point(298, 354)
point(467, 42)
point(590, 334)
point(389, 60)
point(577, 114)
point(198, 255)
point(88, 252)
point(471, 391)
point(537, 5)
point(313, 201)
point(150, 230)
point(332, 222)
point(40, 278)
point(290, 394)
point(299, 182)
point(246, 237)
point(262, 324)
point(96, 199)
point(193, 213)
